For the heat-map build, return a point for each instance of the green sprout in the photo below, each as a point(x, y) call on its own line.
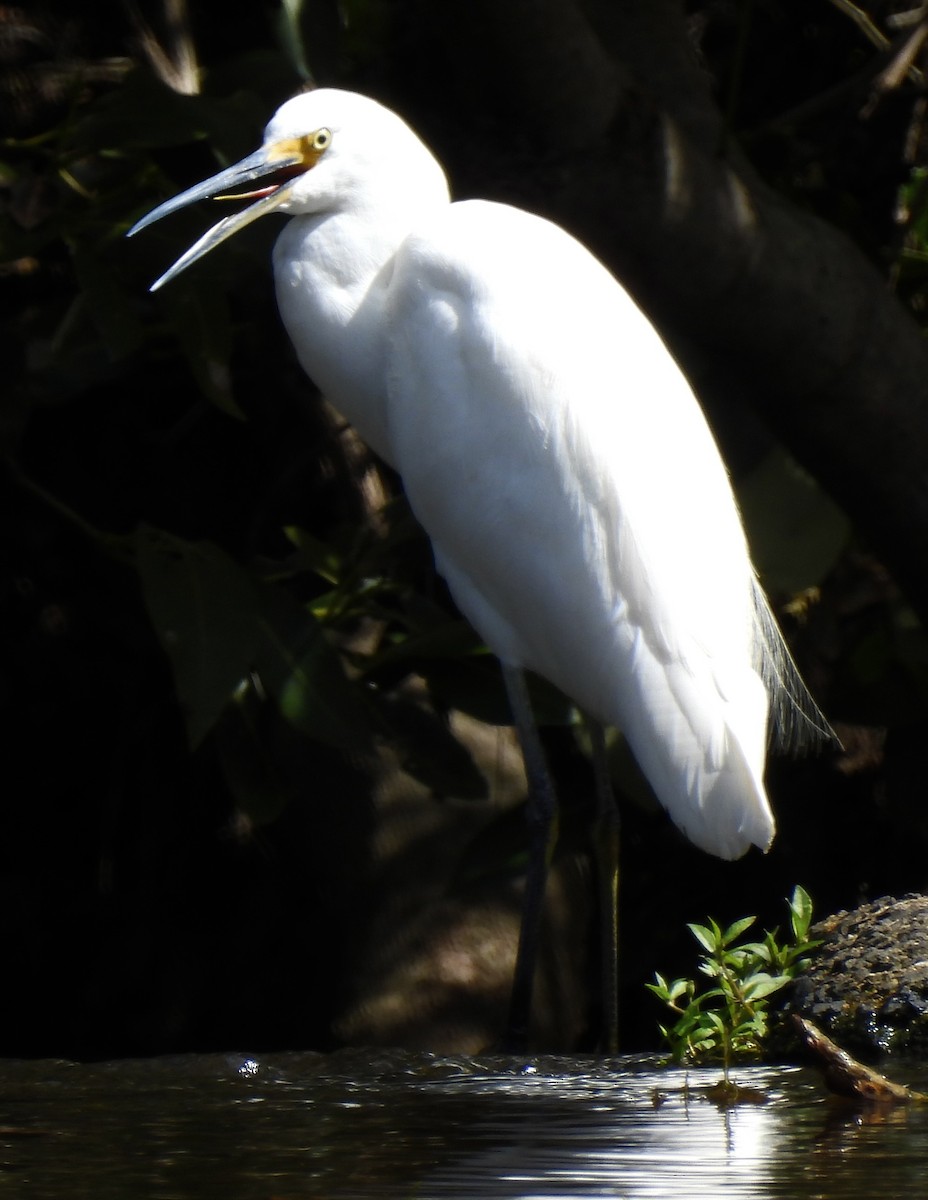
point(730, 1019)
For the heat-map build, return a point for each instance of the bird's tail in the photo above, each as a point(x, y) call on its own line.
point(796, 722)
point(700, 741)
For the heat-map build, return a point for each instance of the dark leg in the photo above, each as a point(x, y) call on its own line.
point(542, 825)
point(606, 851)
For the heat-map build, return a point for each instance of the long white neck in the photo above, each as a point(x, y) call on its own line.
point(332, 273)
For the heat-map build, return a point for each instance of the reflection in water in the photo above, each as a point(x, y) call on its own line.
point(648, 1135)
point(355, 1125)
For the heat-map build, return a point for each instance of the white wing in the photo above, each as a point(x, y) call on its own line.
point(577, 504)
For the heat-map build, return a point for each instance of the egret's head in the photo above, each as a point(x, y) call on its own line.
point(324, 151)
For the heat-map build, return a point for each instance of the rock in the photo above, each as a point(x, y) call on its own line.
point(868, 981)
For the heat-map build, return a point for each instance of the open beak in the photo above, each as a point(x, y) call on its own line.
point(279, 164)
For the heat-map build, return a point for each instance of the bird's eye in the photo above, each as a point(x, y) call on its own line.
point(321, 139)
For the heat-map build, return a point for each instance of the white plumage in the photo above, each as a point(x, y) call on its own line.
point(547, 440)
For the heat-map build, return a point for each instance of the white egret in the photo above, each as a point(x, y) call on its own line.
point(549, 444)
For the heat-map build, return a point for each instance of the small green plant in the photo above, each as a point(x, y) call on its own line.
point(730, 1018)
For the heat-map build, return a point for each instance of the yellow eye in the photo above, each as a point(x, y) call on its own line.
point(302, 152)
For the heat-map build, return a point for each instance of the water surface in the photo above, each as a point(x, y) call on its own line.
point(358, 1124)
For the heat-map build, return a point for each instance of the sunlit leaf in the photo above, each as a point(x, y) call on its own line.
point(761, 985)
point(736, 929)
point(707, 936)
point(800, 907)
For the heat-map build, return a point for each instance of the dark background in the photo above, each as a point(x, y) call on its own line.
point(256, 791)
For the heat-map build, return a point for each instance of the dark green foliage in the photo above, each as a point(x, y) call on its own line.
point(236, 609)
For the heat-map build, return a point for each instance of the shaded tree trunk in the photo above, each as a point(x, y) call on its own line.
point(757, 297)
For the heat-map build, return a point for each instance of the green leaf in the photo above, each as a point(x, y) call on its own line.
point(759, 950)
point(144, 114)
point(761, 985)
point(731, 1016)
point(198, 312)
point(312, 554)
point(670, 993)
point(708, 936)
point(797, 533)
point(735, 930)
point(681, 987)
point(800, 908)
point(248, 749)
point(715, 1022)
point(219, 626)
point(304, 674)
point(204, 609)
point(450, 639)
